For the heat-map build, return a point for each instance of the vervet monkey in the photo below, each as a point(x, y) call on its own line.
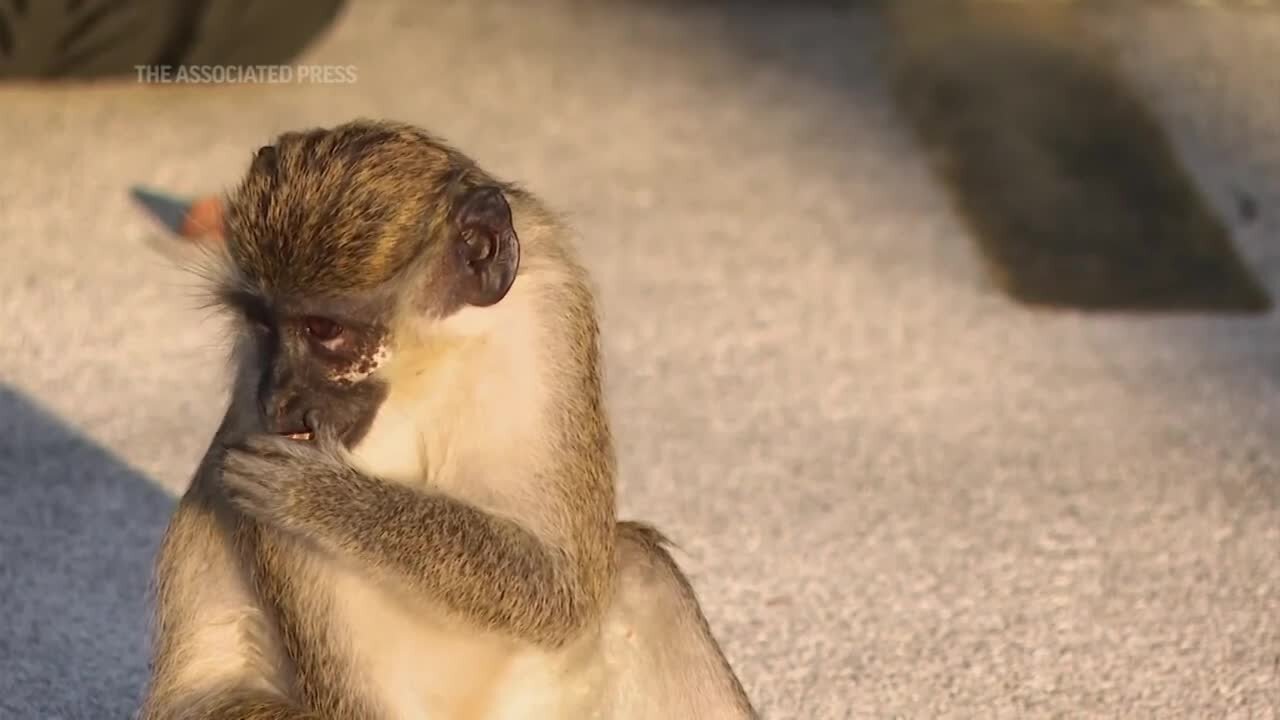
point(408, 512)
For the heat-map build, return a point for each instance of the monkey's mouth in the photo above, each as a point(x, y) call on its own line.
point(310, 421)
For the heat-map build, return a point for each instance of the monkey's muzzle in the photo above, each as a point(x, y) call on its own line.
point(310, 421)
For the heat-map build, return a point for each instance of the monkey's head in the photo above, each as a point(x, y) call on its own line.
point(332, 239)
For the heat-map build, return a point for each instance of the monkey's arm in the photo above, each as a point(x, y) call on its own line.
point(489, 568)
point(232, 707)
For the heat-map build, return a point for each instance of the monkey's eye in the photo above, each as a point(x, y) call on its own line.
point(322, 329)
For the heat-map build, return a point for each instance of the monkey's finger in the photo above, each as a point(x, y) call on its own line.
point(242, 486)
point(240, 468)
point(250, 500)
point(325, 435)
point(268, 446)
point(259, 461)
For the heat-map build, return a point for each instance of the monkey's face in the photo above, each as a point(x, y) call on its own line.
point(317, 365)
point(337, 236)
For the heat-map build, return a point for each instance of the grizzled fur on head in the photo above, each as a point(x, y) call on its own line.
point(341, 210)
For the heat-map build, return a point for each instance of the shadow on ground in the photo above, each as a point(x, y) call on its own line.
point(77, 531)
point(1067, 182)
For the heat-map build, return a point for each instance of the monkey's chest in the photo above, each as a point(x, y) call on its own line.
point(412, 662)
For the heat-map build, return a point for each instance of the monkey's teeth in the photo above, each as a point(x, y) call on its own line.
point(299, 436)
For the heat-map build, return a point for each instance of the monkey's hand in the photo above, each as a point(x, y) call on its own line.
point(490, 567)
point(284, 482)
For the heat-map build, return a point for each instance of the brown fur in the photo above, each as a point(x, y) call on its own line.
point(503, 544)
point(338, 210)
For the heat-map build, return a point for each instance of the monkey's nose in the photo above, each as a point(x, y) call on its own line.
point(287, 417)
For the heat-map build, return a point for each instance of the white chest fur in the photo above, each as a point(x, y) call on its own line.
point(467, 421)
point(416, 663)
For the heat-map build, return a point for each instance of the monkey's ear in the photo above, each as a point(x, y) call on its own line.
point(487, 246)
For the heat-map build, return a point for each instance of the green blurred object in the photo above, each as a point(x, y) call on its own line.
point(65, 39)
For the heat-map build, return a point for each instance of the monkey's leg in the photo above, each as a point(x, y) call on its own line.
point(241, 706)
point(665, 661)
point(214, 656)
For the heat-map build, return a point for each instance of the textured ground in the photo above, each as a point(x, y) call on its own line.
point(900, 494)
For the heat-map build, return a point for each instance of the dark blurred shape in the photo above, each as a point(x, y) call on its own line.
point(1246, 205)
point(1067, 180)
point(62, 39)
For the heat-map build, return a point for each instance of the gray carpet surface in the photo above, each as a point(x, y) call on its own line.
point(897, 493)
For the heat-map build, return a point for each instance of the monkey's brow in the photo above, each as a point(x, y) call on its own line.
point(248, 303)
point(367, 312)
